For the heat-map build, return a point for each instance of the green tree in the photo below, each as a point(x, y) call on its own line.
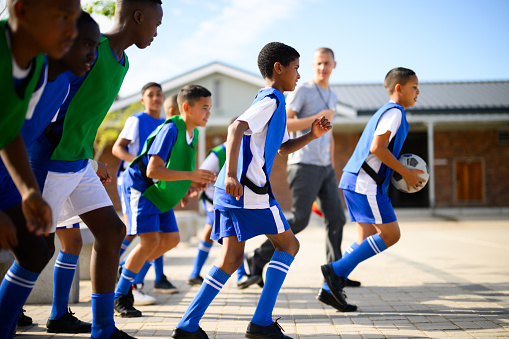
point(101, 7)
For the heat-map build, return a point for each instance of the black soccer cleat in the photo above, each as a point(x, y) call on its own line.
point(195, 280)
point(68, 323)
point(273, 331)
point(124, 307)
point(24, 320)
point(352, 283)
point(181, 334)
point(121, 335)
point(327, 298)
point(336, 284)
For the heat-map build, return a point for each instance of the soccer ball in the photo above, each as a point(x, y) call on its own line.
point(410, 161)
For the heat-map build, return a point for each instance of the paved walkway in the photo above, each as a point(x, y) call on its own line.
point(446, 277)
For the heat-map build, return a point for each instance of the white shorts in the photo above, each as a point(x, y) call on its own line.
point(73, 194)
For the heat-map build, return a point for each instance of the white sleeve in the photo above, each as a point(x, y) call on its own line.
point(258, 115)
point(390, 121)
point(211, 163)
point(131, 129)
point(286, 137)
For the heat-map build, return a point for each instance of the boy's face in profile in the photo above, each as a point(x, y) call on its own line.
point(52, 24)
point(151, 19)
point(198, 113)
point(409, 92)
point(153, 99)
point(290, 75)
point(81, 57)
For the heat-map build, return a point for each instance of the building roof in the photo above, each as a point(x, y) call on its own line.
point(434, 97)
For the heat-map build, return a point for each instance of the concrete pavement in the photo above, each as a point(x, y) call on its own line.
point(447, 277)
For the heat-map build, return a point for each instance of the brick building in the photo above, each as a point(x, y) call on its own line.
point(461, 129)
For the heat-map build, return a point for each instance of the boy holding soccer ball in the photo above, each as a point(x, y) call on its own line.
point(366, 178)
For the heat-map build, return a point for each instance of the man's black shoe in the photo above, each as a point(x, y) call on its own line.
point(254, 271)
point(273, 331)
point(336, 284)
point(200, 334)
point(124, 307)
point(249, 280)
point(68, 323)
point(352, 283)
point(121, 335)
point(327, 298)
point(24, 320)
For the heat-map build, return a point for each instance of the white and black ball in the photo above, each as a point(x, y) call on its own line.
point(410, 161)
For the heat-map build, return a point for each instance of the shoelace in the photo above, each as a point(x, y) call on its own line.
point(277, 324)
point(71, 312)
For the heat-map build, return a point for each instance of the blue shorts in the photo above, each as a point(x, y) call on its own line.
point(210, 214)
point(248, 223)
point(371, 209)
point(144, 217)
point(75, 225)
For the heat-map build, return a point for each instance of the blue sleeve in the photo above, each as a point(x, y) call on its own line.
point(164, 141)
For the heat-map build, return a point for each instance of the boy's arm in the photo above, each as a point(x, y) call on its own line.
point(318, 128)
point(119, 150)
point(294, 125)
point(380, 150)
point(36, 211)
point(235, 134)
point(156, 169)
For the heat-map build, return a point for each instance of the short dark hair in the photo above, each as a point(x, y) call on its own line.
point(324, 50)
point(85, 18)
point(191, 94)
point(275, 52)
point(121, 3)
point(398, 75)
point(148, 85)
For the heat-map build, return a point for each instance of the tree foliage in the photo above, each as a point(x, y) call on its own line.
point(101, 7)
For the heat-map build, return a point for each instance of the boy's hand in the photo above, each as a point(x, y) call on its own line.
point(203, 176)
point(320, 126)
point(197, 186)
point(37, 213)
point(102, 172)
point(233, 187)
point(8, 237)
point(413, 179)
point(327, 113)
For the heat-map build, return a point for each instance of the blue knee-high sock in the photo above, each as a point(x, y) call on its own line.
point(274, 277)
point(63, 274)
point(212, 285)
point(369, 247)
point(103, 325)
point(241, 271)
point(203, 253)
point(140, 277)
point(123, 247)
point(158, 268)
point(345, 255)
point(124, 283)
point(16, 286)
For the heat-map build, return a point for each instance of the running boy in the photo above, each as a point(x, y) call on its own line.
point(30, 30)
point(366, 178)
point(155, 182)
point(60, 157)
point(244, 204)
point(128, 146)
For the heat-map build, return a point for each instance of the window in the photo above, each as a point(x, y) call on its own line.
point(469, 176)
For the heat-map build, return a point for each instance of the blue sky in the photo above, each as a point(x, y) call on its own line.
point(442, 40)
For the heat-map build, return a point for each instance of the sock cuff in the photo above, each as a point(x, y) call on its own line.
point(23, 273)
point(127, 273)
point(67, 257)
point(126, 242)
point(205, 246)
point(376, 242)
point(219, 274)
point(283, 257)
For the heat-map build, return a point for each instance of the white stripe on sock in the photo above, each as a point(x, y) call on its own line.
point(373, 245)
point(128, 278)
point(213, 282)
point(277, 268)
point(204, 248)
point(19, 281)
point(59, 263)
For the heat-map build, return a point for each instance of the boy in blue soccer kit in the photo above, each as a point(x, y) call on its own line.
point(155, 182)
point(127, 147)
point(244, 204)
point(366, 178)
point(29, 31)
point(213, 162)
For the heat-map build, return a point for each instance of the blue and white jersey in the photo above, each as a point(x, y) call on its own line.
point(267, 131)
point(137, 128)
point(391, 117)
